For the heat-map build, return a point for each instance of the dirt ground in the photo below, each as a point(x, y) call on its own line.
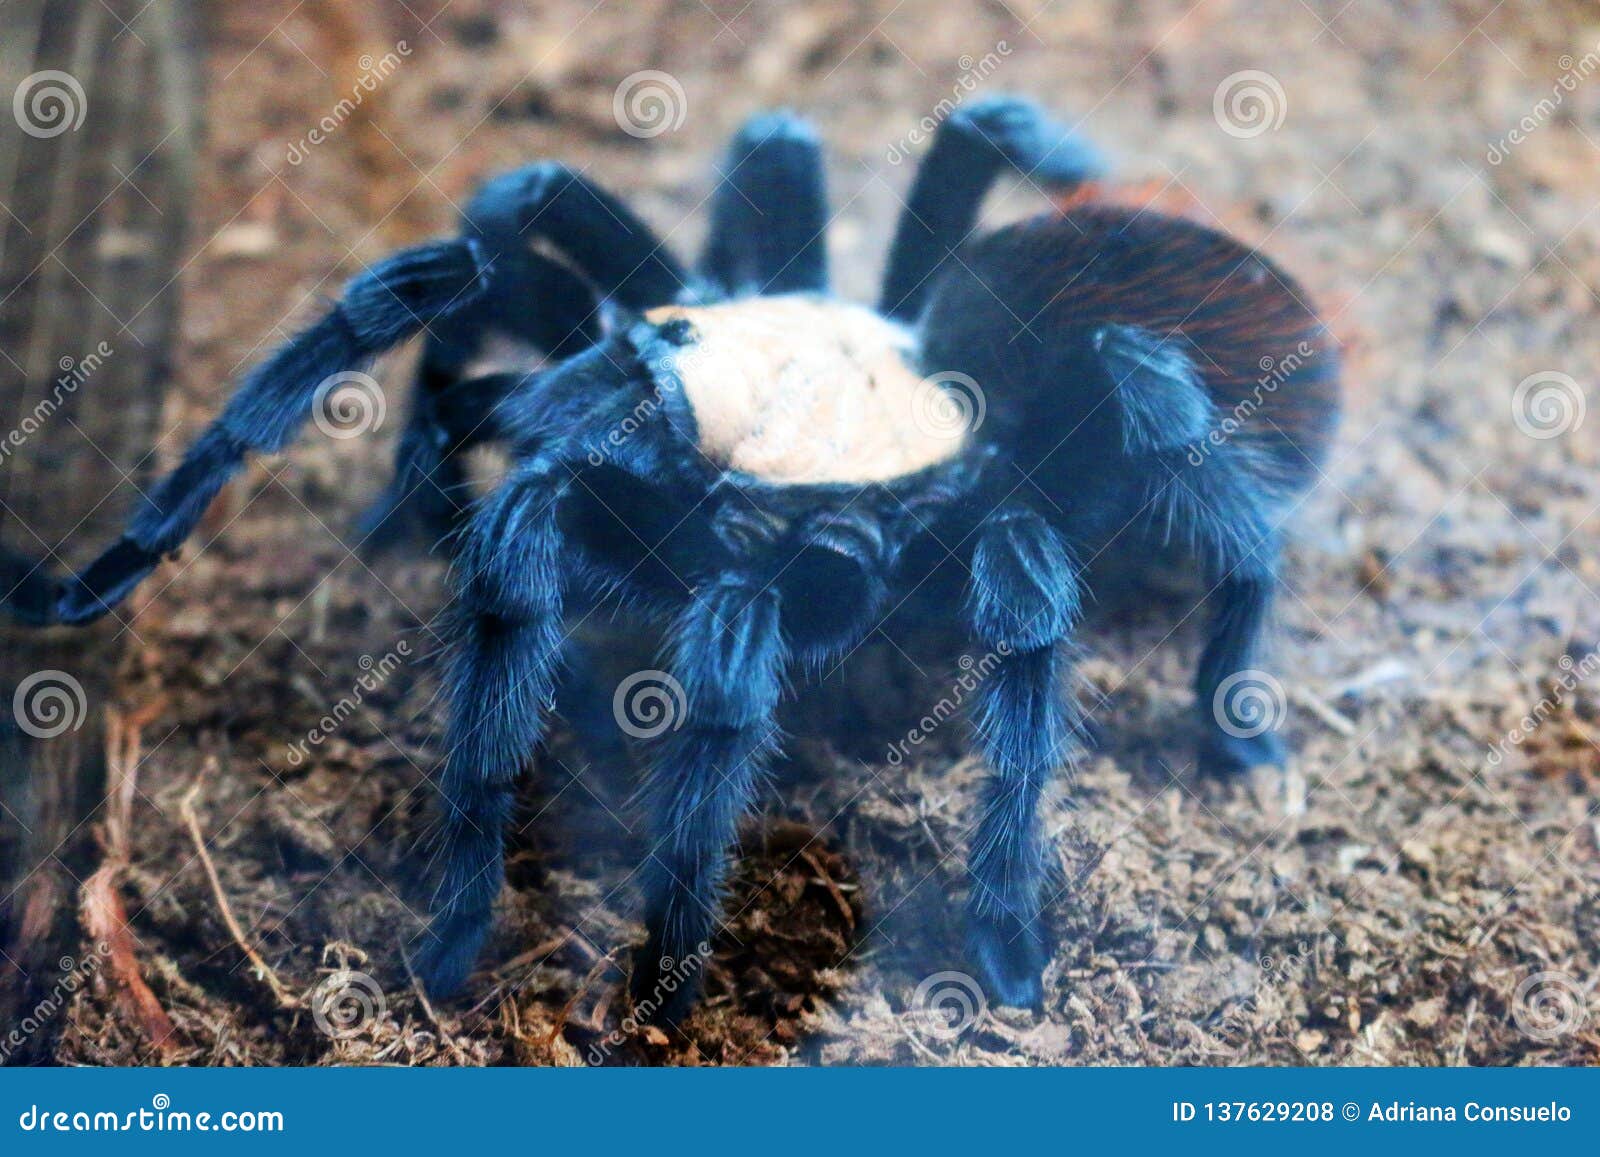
point(1400, 897)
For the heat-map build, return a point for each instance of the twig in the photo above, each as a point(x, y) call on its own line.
point(286, 999)
point(1324, 711)
point(106, 921)
point(427, 1007)
point(829, 883)
point(1466, 1029)
point(582, 990)
point(104, 916)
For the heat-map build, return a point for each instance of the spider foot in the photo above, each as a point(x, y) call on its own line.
point(1009, 954)
point(109, 580)
point(663, 988)
point(1046, 152)
point(1224, 755)
point(449, 950)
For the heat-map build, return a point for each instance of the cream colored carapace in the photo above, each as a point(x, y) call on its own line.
point(801, 390)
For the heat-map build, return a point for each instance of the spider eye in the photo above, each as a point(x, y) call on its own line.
point(678, 331)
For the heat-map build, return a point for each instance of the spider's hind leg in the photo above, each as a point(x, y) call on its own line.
point(1227, 526)
point(1212, 500)
point(1240, 710)
point(1241, 706)
point(769, 214)
point(970, 150)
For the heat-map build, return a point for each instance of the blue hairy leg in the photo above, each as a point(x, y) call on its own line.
point(389, 303)
point(970, 150)
point(728, 653)
point(1022, 603)
point(505, 639)
point(769, 214)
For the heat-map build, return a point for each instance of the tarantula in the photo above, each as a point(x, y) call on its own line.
point(767, 472)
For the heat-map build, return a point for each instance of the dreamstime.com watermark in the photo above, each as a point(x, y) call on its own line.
point(649, 703)
point(348, 404)
point(49, 703)
point(945, 1005)
point(1250, 703)
point(1274, 372)
point(1549, 1005)
point(1228, 1036)
point(1548, 405)
point(74, 975)
point(49, 103)
point(346, 1002)
point(666, 372)
point(973, 73)
point(74, 373)
point(1573, 674)
point(160, 1117)
point(376, 672)
point(948, 405)
point(973, 674)
point(1573, 73)
point(674, 975)
point(1249, 103)
point(649, 103)
point(374, 71)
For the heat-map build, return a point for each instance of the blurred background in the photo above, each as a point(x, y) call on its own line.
point(197, 869)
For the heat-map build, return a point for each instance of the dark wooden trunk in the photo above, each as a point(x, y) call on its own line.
point(98, 131)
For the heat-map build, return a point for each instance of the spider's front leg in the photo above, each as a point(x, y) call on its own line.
point(389, 303)
point(1023, 601)
point(729, 653)
point(551, 307)
point(506, 634)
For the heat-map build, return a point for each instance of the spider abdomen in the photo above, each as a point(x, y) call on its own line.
point(1028, 310)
